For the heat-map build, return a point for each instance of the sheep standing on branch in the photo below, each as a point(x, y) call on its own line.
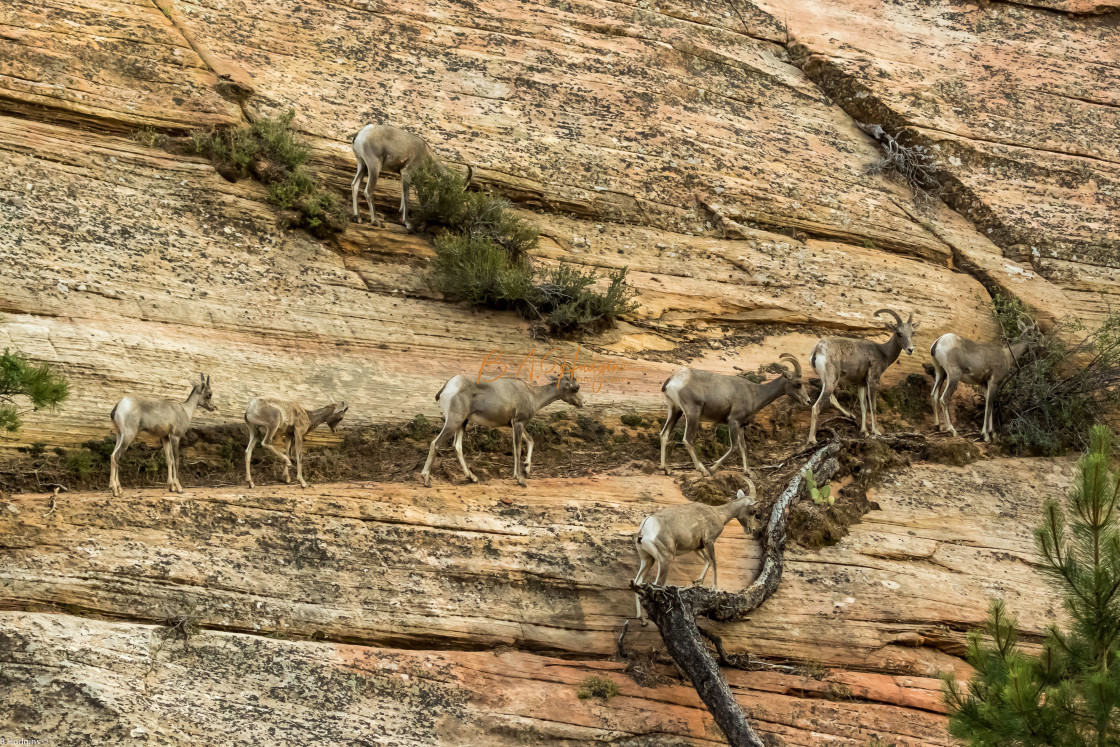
point(957, 359)
point(385, 148)
point(851, 361)
point(693, 527)
point(707, 397)
point(268, 417)
point(165, 419)
point(505, 402)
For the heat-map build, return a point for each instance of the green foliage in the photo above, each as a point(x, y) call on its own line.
point(20, 380)
point(482, 258)
point(480, 272)
point(596, 686)
point(634, 420)
point(78, 463)
point(268, 150)
point(820, 495)
point(1069, 694)
point(1060, 388)
point(149, 137)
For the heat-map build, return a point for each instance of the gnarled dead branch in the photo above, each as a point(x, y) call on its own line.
point(674, 610)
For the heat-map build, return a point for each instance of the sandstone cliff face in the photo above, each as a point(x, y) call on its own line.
point(711, 148)
point(529, 598)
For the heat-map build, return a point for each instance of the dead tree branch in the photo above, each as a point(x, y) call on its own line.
point(674, 610)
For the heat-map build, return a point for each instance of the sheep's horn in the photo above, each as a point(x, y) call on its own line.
point(897, 318)
point(793, 362)
point(750, 484)
point(911, 319)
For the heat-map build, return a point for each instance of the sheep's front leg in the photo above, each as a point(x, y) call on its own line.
point(267, 443)
point(703, 553)
point(518, 429)
point(666, 435)
point(297, 447)
point(175, 459)
point(529, 451)
point(643, 563)
point(826, 395)
point(124, 439)
point(734, 436)
point(872, 398)
point(691, 425)
point(249, 453)
point(933, 398)
point(167, 457)
point(355, 186)
point(988, 430)
point(862, 390)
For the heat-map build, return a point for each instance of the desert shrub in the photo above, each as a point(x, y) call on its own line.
point(568, 302)
point(478, 271)
point(913, 164)
point(482, 258)
point(1062, 387)
point(633, 420)
point(909, 398)
point(1069, 693)
point(78, 463)
point(596, 686)
point(23, 381)
point(269, 151)
point(148, 136)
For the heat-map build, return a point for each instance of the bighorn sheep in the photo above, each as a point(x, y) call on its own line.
point(702, 396)
point(268, 416)
point(957, 359)
point(383, 147)
point(511, 402)
point(166, 419)
point(847, 360)
point(693, 527)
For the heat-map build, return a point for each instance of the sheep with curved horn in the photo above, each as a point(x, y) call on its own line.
point(702, 396)
point(857, 362)
point(982, 365)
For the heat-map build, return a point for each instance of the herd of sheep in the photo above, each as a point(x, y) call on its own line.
point(698, 396)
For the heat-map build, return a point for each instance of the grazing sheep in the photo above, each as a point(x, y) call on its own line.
point(505, 402)
point(693, 527)
point(271, 416)
point(702, 396)
point(859, 362)
point(166, 419)
point(957, 359)
point(386, 148)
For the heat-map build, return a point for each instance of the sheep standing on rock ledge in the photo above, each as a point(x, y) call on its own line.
point(847, 360)
point(383, 147)
point(693, 527)
point(166, 419)
point(511, 402)
point(268, 417)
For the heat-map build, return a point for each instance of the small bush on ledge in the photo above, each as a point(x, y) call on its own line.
point(268, 151)
point(596, 686)
point(482, 257)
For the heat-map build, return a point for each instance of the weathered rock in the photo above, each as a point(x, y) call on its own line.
point(394, 566)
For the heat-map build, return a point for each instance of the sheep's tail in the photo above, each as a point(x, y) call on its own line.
point(113, 413)
point(440, 392)
point(470, 175)
point(666, 383)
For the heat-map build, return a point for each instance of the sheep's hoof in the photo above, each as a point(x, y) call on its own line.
point(251, 485)
point(427, 480)
point(666, 470)
point(472, 477)
point(521, 481)
point(644, 622)
point(302, 484)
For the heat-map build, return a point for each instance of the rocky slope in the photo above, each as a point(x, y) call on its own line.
point(712, 148)
point(374, 613)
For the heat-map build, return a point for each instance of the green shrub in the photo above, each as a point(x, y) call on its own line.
point(596, 686)
point(269, 151)
point(78, 463)
point(20, 380)
point(1062, 387)
point(475, 269)
point(633, 420)
point(482, 258)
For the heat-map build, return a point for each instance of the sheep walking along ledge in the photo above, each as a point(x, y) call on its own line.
point(674, 610)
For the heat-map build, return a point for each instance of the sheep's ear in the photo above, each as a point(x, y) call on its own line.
point(740, 495)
